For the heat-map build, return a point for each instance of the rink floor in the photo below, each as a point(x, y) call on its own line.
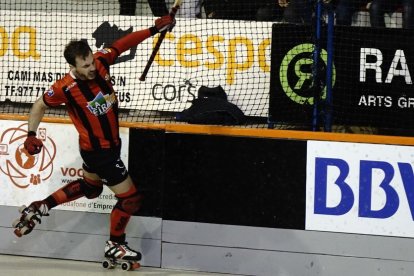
point(33, 266)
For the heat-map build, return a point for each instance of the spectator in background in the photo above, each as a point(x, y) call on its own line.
point(379, 7)
point(345, 9)
point(297, 11)
point(158, 7)
point(259, 10)
point(190, 9)
point(269, 11)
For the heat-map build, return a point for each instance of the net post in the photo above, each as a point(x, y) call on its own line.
point(315, 70)
point(329, 67)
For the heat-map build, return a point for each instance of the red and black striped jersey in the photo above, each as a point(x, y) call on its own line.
point(92, 104)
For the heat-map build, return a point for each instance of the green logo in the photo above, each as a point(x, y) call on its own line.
point(294, 62)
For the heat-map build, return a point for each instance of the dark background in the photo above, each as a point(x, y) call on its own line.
point(220, 179)
point(348, 89)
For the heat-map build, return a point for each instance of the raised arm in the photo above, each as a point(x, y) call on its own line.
point(163, 23)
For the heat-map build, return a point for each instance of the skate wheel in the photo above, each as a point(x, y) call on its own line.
point(21, 208)
point(126, 266)
point(107, 264)
point(17, 223)
point(30, 215)
point(18, 233)
point(136, 265)
point(25, 230)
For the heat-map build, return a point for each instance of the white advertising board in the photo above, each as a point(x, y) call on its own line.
point(26, 178)
point(360, 188)
point(198, 52)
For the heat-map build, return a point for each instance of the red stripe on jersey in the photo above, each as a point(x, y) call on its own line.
point(92, 105)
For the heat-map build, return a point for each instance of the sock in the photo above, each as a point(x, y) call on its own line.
point(119, 221)
point(120, 218)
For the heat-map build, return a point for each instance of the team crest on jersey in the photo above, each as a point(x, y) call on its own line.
point(101, 104)
point(105, 50)
point(50, 92)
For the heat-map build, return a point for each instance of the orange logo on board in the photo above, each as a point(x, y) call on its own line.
point(22, 168)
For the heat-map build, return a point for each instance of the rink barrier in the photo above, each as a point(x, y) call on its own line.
point(247, 132)
point(222, 200)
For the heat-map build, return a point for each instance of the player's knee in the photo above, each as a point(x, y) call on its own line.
point(130, 204)
point(91, 188)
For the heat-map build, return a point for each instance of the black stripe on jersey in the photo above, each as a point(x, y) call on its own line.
point(104, 86)
point(106, 125)
point(108, 90)
point(103, 119)
point(115, 107)
point(81, 114)
point(104, 62)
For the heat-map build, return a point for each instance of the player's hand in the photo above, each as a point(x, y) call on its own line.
point(165, 23)
point(283, 3)
point(32, 144)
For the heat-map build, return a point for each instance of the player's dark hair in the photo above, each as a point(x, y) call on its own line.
point(76, 48)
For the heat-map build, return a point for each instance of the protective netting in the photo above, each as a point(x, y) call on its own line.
point(220, 43)
point(373, 85)
point(369, 47)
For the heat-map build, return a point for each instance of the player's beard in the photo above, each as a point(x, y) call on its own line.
point(88, 76)
point(91, 75)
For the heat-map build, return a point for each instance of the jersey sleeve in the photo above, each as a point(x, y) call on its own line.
point(54, 96)
point(109, 54)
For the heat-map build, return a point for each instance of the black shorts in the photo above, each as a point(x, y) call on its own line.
point(107, 164)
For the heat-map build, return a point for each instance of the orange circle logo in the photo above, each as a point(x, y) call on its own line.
point(22, 168)
point(24, 159)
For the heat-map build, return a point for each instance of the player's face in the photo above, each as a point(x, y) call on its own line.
point(85, 67)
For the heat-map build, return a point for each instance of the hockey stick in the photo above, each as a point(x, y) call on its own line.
point(173, 11)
